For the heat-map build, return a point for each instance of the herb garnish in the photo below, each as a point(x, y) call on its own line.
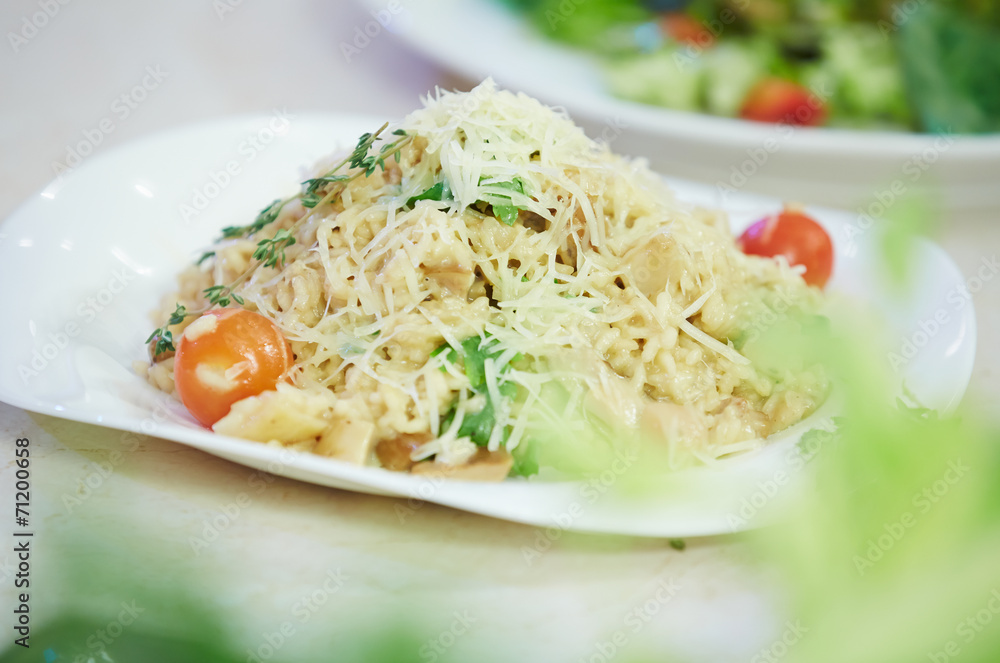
point(266, 216)
point(163, 336)
point(440, 191)
point(271, 252)
point(219, 295)
point(502, 204)
point(474, 352)
point(310, 195)
point(505, 211)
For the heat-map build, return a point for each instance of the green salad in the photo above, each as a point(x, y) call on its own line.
point(919, 65)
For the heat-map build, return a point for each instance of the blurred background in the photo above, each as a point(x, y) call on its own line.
point(149, 544)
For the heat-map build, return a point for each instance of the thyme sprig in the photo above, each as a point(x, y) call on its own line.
point(266, 216)
point(271, 252)
point(163, 337)
point(219, 295)
point(310, 197)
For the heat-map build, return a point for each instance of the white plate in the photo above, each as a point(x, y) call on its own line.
point(86, 259)
point(843, 168)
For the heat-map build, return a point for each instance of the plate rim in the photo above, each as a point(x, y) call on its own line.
point(717, 130)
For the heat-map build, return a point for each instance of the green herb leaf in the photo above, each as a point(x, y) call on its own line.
point(506, 213)
point(474, 355)
point(164, 341)
point(348, 350)
point(452, 355)
point(321, 181)
point(440, 191)
point(477, 426)
point(180, 312)
point(503, 205)
point(311, 195)
point(163, 336)
point(271, 252)
point(525, 459)
point(219, 295)
point(475, 350)
point(266, 216)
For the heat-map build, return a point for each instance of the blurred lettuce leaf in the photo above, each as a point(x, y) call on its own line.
point(951, 65)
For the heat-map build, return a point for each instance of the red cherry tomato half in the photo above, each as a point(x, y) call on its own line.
point(797, 237)
point(227, 355)
point(686, 29)
point(778, 100)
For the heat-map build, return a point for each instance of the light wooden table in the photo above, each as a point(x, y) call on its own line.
point(566, 605)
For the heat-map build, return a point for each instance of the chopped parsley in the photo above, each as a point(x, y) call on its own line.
point(474, 352)
point(440, 191)
point(503, 205)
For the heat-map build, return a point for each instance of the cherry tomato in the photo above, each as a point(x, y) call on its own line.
point(778, 100)
point(686, 30)
point(227, 355)
point(797, 237)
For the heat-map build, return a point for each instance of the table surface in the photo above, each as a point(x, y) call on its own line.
point(235, 57)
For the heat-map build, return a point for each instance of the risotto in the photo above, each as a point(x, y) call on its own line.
point(465, 281)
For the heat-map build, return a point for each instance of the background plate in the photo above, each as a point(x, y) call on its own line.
point(838, 167)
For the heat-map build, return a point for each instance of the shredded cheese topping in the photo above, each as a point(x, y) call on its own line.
point(599, 273)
